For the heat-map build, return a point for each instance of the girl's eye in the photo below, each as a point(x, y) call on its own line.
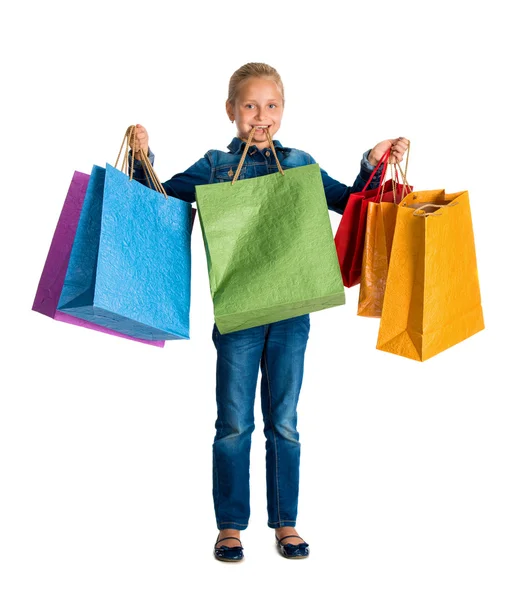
point(272, 105)
point(249, 106)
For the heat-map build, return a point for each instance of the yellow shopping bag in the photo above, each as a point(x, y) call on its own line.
point(432, 298)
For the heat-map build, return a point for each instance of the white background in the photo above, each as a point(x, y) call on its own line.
point(411, 481)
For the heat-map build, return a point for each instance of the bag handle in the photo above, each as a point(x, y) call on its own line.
point(404, 175)
point(425, 214)
point(396, 171)
point(381, 161)
point(246, 149)
point(394, 167)
point(394, 177)
point(150, 173)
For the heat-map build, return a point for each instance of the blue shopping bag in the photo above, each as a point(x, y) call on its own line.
point(130, 264)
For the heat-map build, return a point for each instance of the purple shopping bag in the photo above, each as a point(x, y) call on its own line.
point(55, 268)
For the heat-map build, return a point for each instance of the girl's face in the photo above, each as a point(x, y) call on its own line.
point(259, 104)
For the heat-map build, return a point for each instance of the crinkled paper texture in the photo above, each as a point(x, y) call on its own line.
point(270, 248)
point(53, 274)
point(130, 264)
point(350, 235)
point(432, 297)
point(378, 235)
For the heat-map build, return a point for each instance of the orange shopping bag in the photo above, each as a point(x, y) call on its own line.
point(379, 233)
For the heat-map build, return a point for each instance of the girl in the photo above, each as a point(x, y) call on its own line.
point(256, 100)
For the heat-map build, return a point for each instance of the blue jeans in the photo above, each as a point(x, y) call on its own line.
point(279, 350)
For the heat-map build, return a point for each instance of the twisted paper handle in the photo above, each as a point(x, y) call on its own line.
point(149, 171)
point(394, 167)
point(247, 146)
point(404, 175)
point(421, 212)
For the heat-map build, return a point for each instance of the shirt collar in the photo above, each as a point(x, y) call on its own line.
point(237, 146)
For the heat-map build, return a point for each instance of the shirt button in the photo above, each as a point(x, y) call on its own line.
point(267, 153)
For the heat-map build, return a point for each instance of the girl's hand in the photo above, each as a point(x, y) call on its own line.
point(397, 147)
point(140, 141)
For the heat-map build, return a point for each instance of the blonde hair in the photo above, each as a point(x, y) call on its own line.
point(253, 69)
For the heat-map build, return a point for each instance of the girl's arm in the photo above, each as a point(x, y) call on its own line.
point(338, 193)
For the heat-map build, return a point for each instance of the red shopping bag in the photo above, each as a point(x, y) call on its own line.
point(350, 234)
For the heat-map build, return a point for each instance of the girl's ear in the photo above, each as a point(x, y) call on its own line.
point(229, 109)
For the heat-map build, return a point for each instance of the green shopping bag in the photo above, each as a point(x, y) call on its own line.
point(269, 246)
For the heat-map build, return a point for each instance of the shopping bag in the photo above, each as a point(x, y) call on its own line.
point(350, 233)
point(269, 247)
point(379, 233)
point(129, 268)
point(432, 297)
point(53, 274)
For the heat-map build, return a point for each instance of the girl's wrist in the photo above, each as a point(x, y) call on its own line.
point(372, 159)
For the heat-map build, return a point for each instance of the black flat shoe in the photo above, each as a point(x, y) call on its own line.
point(227, 553)
point(292, 550)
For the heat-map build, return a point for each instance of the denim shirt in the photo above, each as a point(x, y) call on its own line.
point(218, 167)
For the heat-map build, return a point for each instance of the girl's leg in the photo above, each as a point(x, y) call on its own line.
point(238, 362)
point(282, 374)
